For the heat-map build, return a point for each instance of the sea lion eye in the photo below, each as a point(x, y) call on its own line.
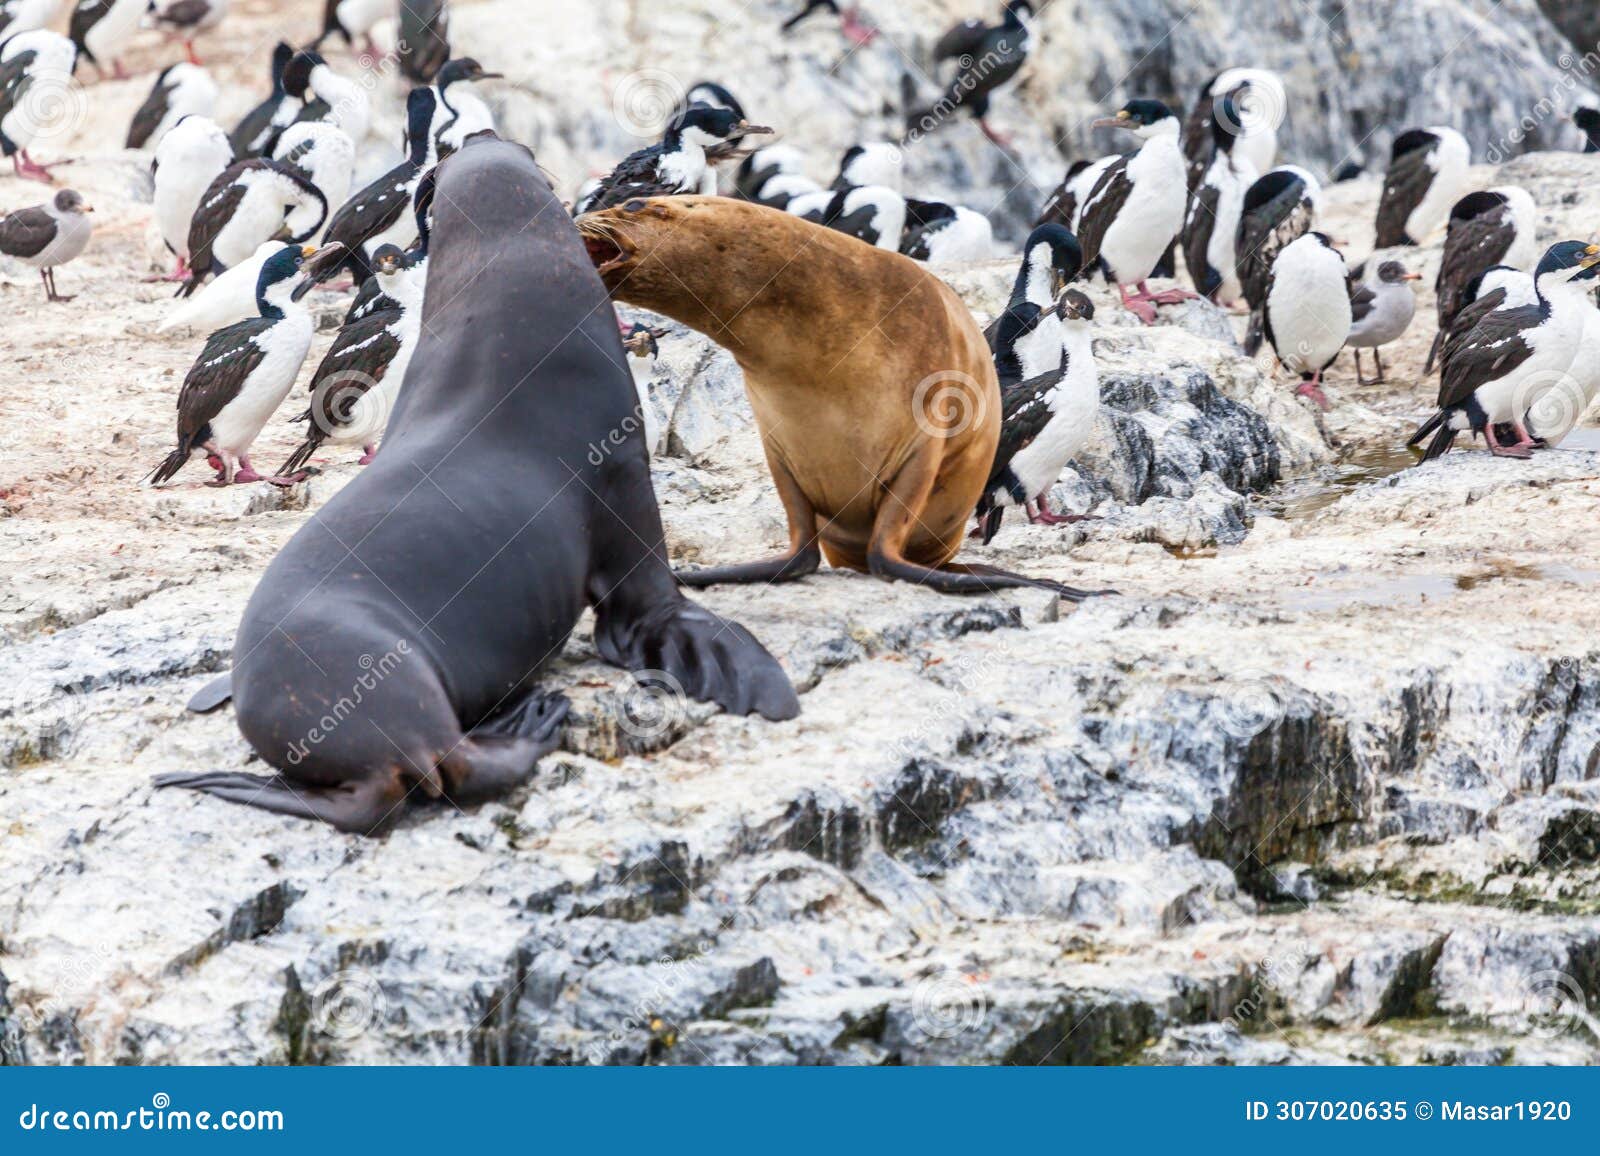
point(633, 206)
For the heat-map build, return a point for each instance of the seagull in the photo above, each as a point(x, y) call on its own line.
point(187, 18)
point(1379, 314)
point(48, 235)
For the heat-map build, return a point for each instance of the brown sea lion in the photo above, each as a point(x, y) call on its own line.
point(873, 388)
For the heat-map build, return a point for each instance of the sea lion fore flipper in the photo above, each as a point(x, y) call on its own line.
point(709, 657)
point(213, 694)
point(363, 806)
point(644, 623)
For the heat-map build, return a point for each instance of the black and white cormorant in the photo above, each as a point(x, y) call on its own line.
point(246, 370)
point(1136, 207)
point(325, 96)
point(37, 58)
point(325, 155)
point(678, 164)
point(254, 135)
point(987, 57)
point(460, 112)
point(1044, 422)
point(1278, 209)
point(1256, 105)
point(1495, 373)
point(47, 236)
point(1427, 167)
point(941, 233)
point(1026, 337)
point(381, 213)
point(191, 155)
point(102, 29)
point(1216, 202)
point(250, 202)
point(370, 297)
point(180, 90)
point(355, 386)
point(1488, 228)
point(1307, 316)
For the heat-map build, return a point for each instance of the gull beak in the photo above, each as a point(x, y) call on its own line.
point(318, 265)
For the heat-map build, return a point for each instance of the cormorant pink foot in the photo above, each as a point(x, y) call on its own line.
point(1312, 391)
point(851, 25)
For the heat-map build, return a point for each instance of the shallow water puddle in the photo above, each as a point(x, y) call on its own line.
point(1306, 496)
point(1382, 589)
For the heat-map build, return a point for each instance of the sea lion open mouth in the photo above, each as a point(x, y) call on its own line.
point(609, 250)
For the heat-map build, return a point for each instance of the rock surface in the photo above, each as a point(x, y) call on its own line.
point(1318, 785)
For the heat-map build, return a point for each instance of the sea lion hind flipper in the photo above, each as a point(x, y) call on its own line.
point(973, 578)
point(363, 806)
point(538, 715)
point(710, 658)
point(213, 694)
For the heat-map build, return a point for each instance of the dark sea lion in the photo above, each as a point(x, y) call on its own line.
point(873, 387)
point(393, 644)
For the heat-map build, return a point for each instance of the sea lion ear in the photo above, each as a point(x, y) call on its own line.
point(635, 206)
